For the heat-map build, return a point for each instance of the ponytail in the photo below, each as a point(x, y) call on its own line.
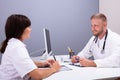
point(14, 28)
point(3, 47)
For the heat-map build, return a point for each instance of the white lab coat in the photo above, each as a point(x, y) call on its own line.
point(16, 62)
point(111, 55)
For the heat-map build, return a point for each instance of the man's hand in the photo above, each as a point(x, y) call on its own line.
point(87, 63)
point(75, 59)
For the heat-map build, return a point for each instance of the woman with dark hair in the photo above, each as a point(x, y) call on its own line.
point(16, 62)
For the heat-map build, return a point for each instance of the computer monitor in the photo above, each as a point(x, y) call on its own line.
point(48, 50)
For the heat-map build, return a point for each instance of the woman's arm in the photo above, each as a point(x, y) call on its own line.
point(41, 64)
point(40, 73)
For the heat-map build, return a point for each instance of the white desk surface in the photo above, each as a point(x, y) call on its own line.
point(83, 73)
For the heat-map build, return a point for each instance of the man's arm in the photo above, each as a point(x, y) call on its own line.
point(85, 53)
point(87, 63)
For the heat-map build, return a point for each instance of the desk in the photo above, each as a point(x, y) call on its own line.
point(83, 73)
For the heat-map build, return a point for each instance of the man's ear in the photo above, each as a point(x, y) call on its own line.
point(105, 24)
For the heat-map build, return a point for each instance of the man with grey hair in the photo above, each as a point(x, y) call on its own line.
point(104, 46)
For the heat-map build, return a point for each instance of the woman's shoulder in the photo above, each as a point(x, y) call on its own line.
point(13, 42)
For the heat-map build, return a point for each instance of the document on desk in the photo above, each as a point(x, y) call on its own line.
point(76, 64)
point(65, 68)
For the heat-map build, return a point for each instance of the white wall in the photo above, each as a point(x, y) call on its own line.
point(111, 8)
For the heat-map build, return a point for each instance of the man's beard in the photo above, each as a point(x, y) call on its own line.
point(98, 33)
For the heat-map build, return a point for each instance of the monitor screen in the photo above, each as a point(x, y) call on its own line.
point(47, 41)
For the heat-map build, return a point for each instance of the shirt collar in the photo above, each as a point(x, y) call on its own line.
point(12, 40)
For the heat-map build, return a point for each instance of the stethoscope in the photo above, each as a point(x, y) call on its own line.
point(95, 41)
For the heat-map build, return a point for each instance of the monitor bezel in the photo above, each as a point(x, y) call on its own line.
point(47, 53)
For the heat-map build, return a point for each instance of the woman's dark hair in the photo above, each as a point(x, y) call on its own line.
point(14, 28)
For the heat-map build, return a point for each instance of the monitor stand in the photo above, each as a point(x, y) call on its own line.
point(45, 55)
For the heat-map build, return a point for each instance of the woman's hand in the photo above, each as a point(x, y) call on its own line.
point(54, 65)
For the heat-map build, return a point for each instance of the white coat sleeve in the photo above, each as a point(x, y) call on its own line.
point(85, 52)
